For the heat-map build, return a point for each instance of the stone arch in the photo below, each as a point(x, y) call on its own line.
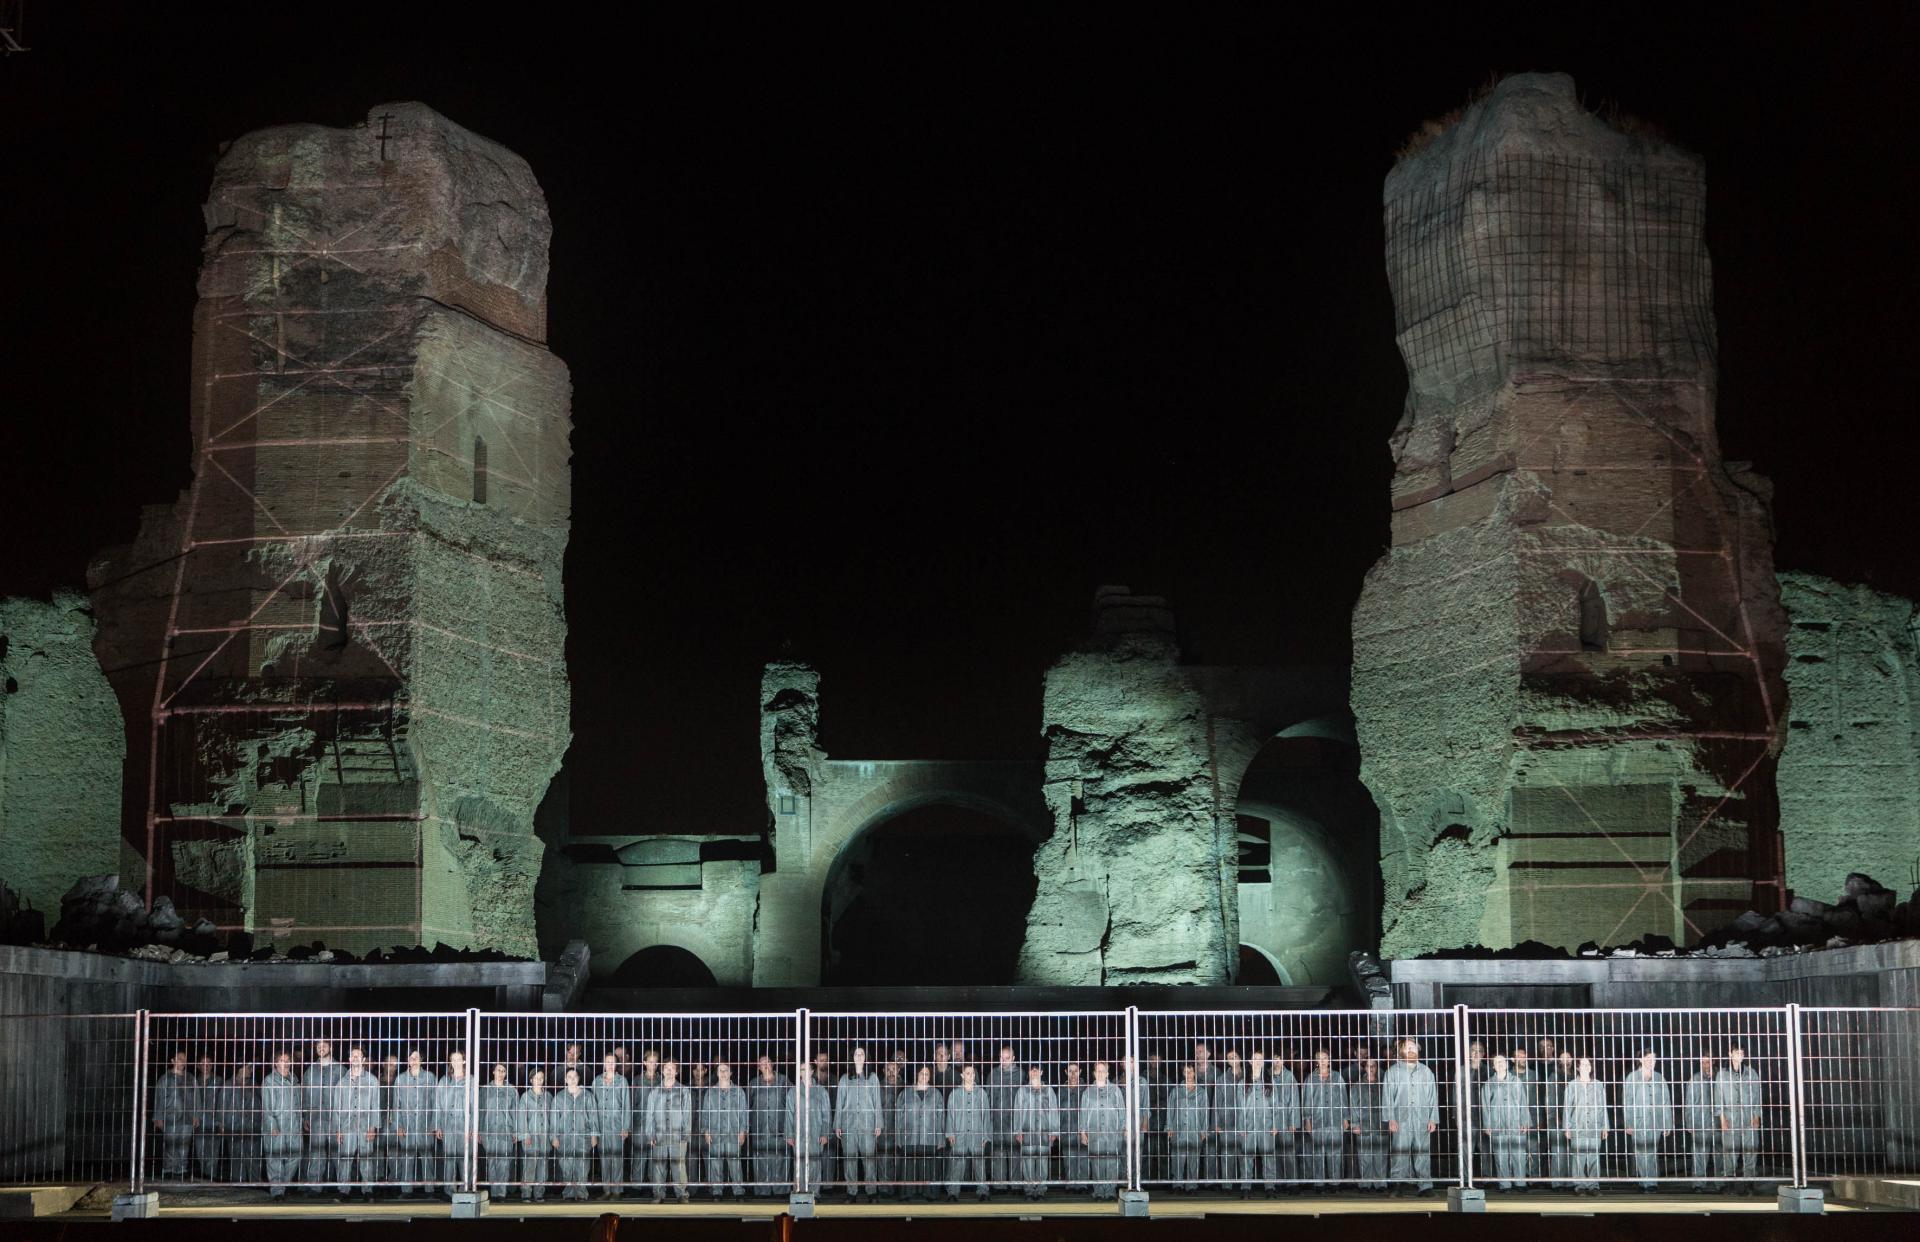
point(663, 966)
point(1254, 953)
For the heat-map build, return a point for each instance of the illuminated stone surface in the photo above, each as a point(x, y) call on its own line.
point(61, 746)
point(339, 655)
point(1850, 775)
point(1567, 668)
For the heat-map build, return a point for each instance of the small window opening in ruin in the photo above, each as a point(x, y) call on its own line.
point(479, 471)
point(1593, 616)
point(789, 804)
point(1256, 849)
point(335, 623)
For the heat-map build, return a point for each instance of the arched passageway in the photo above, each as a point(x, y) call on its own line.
point(663, 966)
point(1258, 969)
point(936, 895)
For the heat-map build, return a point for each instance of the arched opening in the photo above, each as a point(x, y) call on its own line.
point(663, 966)
point(479, 471)
point(1593, 616)
point(1309, 838)
point(934, 896)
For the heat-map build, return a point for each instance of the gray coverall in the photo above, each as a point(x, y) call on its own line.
point(669, 1129)
point(1103, 1115)
point(173, 1102)
point(533, 1127)
point(809, 1125)
point(1702, 1124)
point(970, 1125)
point(1323, 1105)
point(1555, 1162)
point(356, 1113)
point(450, 1118)
point(1505, 1114)
point(1412, 1099)
point(497, 1101)
point(1583, 1113)
point(280, 1130)
point(1073, 1156)
point(210, 1139)
point(411, 1116)
point(922, 1134)
point(243, 1131)
point(1036, 1119)
point(1530, 1150)
point(613, 1116)
point(1256, 1114)
point(859, 1109)
point(1189, 1122)
point(572, 1120)
point(723, 1118)
point(1736, 1101)
point(319, 1081)
point(767, 1133)
point(1223, 1145)
point(1003, 1083)
point(1646, 1108)
point(1367, 1101)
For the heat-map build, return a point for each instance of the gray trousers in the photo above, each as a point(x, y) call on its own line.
point(452, 1173)
point(1258, 1161)
point(283, 1161)
point(533, 1167)
point(243, 1156)
point(320, 1146)
point(612, 1158)
point(575, 1155)
point(176, 1152)
point(670, 1165)
point(1700, 1149)
point(350, 1150)
point(1508, 1156)
point(770, 1173)
point(1187, 1164)
point(1739, 1152)
point(1321, 1156)
point(967, 1168)
point(723, 1166)
point(210, 1155)
point(1646, 1158)
point(1370, 1155)
point(1584, 1160)
point(1104, 1170)
point(497, 1163)
point(859, 1150)
point(1001, 1159)
point(1033, 1165)
point(1556, 1158)
point(412, 1159)
point(1412, 1149)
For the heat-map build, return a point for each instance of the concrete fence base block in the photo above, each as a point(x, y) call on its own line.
point(800, 1207)
point(1802, 1199)
point(1465, 1199)
point(1133, 1203)
point(469, 1204)
point(136, 1207)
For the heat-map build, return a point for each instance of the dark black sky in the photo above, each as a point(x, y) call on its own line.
point(893, 340)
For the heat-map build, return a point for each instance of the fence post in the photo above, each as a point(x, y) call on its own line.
point(1462, 1096)
point(1796, 1096)
point(137, 1176)
point(471, 1105)
point(802, 1105)
point(1132, 1123)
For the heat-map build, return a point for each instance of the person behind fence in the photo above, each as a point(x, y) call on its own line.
point(280, 1125)
point(1188, 1123)
point(1323, 1120)
point(1583, 1119)
point(921, 1133)
point(1225, 1144)
point(1003, 1085)
point(1102, 1116)
point(1477, 1072)
point(888, 1156)
point(533, 1131)
point(640, 1089)
point(412, 1108)
point(1530, 1086)
point(243, 1125)
point(1206, 1075)
point(1410, 1100)
point(1073, 1153)
point(571, 1116)
point(1505, 1116)
point(693, 1074)
point(809, 1129)
point(323, 1072)
point(1736, 1106)
point(1700, 1120)
point(173, 1100)
point(387, 1147)
point(1256, 1125)
point(497, 1101)
point(209, 1122)
point(1564, 1072)
point(669, 1130)
point(859, 1119)
point(1036, 1123)
point(570, 1058)
point(723, 1131)
point(1366, 1113)
point(450, 1124)
point(613, 1124)
point(355, 1108)
point(1646, 1114)
point(970, 1128)
point(767, 1110)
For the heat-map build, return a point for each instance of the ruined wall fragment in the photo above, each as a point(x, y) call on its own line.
point(1567, 668)
point(339, 654)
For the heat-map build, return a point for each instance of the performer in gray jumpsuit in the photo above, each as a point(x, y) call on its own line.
point(809, 1128)
point(1410, 1100)
point(1366, 1102)
point(1003, 1087)
point(1554, 1088)
point(1646, 1114)
point(1702, 1123)
point(411, 1116)
point(669, 1130)
point(1189, 1122)
point(1223, 1150)
point(280, 1125)
point(1256, 1119)
point(723, 1131)
point(1323, 1119)
point(173, 1117)
point(533, 1129)
point(767, 1129)
point(321, 1076)
point(922, 1133)
point(243, 1126)
point(1505, 1116)
point(1736, 1105)
point(571, 1117)
point(355, 1109)
point(1530, 1159)
point(1073, 1153)
point(970, 1127)
point(450, 1124)
point(1583, 1118)
point(497, 1102)
point(1103, 1131)
point(613, 1113)
point(210, 1122)
point(386, 1148)
point(1036, 1123)
point(859, 1119)
point(639, 1090)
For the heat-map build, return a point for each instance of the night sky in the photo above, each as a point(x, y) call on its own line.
point(890, 342)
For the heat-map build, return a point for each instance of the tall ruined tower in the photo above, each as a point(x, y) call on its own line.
point(1568, 667)
point(340, 654)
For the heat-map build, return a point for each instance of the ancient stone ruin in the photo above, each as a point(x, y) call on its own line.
point(339, 654)
point(1568, 667)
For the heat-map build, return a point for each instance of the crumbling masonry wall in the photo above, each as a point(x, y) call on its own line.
point(1567, 668)
point(1850, 774)
point(339, 655)
point(61, 747)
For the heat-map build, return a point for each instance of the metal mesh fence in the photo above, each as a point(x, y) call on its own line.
point(1860, 1072)
point(67, 1087)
